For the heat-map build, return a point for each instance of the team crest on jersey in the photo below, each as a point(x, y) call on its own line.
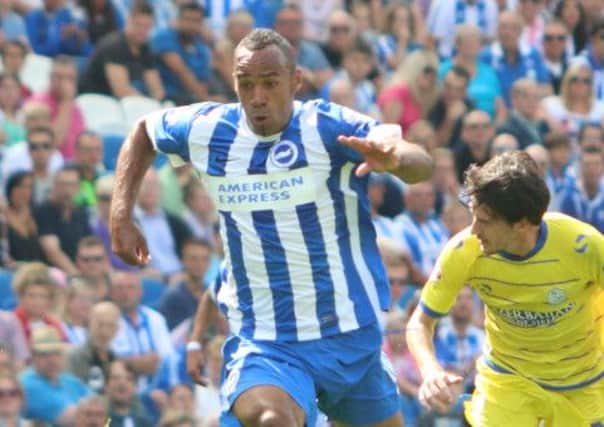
point(284, 154)
point(556, 296)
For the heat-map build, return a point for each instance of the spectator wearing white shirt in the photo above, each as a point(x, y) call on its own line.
point(143, 338)
point(593, 57)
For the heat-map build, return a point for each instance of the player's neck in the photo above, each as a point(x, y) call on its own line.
point(524, 242)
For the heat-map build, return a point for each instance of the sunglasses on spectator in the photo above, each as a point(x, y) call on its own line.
point(554, 37)
point(96, 258)
point(40, 146)
point(577, 79)
point(428, 69)
point(475, 126)
point(397, 281)
point(9, 392)
point(103, 197)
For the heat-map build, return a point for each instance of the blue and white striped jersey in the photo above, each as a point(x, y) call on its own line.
point(300, 247)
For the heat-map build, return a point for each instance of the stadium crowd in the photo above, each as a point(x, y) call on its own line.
point(84, 336)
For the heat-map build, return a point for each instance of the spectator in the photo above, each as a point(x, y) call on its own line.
point(10, 106)
point(311, 61)
point(92, 412)
point(399, 268)
point(90, 361)
point(541, 157)
point(399, 37)
point(101, 18)
point(419, 229)
point(18, 157)
point(61, 224)
point(41, 144)
point(199, 213)
point(12, 24)
point(143, 338)
point(208, 398)
point(422, 132)
point(53, 30)
point(576, 104)
point(484, 89)
point(446, 15)
point(180, 301)
point(36, 293)
point(558, 178)
point(341, 92)
point(51, 393)
point(456, 217)
point(184, 59)
point(13, 57)
point(591, 135)
point(341, 34)
point(11, 401)
point(586, 200)
point(172, 182)
point(183, 399)
point(165, 233)
point(93, 264)
point(67, 119)
point(525, 121)
point(125, 409)
point(88, 159)
point(444, 178)
point(13, 342)
point(451, 106)
point(503, 143)
point(555, 56)
point(593, 56)
point(512, 60)
point(122, 64)
point(383, 225)
point(79, 298)
point(174, 418)
point(315, 17)
point(23, 238)
point(413, 92)
point(531, 12)
point(476, 134)
point(572, 14)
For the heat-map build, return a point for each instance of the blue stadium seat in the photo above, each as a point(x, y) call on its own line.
point(153, 289)
point(111, 148)
point(8, 300)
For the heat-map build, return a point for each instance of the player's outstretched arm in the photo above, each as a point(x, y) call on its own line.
point(435, 391)
point(134, 159)
point(409, 162)
point(206, 310)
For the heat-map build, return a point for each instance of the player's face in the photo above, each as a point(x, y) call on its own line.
point(266, 86)
point(493, 232)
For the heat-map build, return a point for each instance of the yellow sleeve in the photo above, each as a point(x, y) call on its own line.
point(449, 274)
point(598, 242)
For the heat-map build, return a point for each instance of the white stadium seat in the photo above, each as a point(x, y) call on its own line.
point(35, 73)
point(103, 114)
point(136, 107)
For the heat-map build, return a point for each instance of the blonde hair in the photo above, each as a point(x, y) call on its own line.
point(409, 72)
point(34, 273)
point(571, 72)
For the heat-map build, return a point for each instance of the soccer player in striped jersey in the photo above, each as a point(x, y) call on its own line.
point(304, 283)
point(540, 277)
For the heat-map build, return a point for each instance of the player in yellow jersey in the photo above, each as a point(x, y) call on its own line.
point(540, 277)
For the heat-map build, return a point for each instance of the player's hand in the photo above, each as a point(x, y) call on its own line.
point(128, 242)
point(195, 365)
point(379, 157)
point(436, 392)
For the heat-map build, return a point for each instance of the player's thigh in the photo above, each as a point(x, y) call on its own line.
point(583, 406)
point(394, 421)
point(268, 405)
point(507, 409)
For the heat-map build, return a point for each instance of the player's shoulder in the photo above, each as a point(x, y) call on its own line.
point(570, 233)
point(332, 114)
point(463, 246)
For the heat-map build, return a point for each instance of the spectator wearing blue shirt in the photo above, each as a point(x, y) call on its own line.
point(184, 59)
point(180, 301)
point(51, 394)
point(309, 56)
point(513, 60)
point(53, 30)
point(11, 23)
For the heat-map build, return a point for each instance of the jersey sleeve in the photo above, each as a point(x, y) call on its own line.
point(449, 275)
point(169, 130)
point(598, 254)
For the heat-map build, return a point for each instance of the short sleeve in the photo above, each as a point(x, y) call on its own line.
point(449, 275)
point(169, 130)
point(598, 255)
point(162, 42)
point(353, 123)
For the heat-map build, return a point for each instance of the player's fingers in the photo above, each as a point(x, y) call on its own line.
point(442, 390)
point(355, 143)
point(453, 379)
point(363, 169)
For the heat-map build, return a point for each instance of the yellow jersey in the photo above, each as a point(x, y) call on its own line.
point(544, 312)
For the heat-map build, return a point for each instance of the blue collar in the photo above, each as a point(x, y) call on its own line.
point(540, 242)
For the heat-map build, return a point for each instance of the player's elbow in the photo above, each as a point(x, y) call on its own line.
point(416, 167)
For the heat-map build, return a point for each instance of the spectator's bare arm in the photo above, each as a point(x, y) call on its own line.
point(52, 249)
point(178, 67)
point(119, 81)
point(154, 84)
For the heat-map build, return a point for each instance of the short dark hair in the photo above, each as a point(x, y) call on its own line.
point(509, 185)
point(591, 125)
point(14, 180)
point(22, 46)
point(141, 8)
point(190, 6)
point(261, 38)
point(556, 140)
point(360, 45)
point(461, 72)
point(196, 241)
point(597, 25)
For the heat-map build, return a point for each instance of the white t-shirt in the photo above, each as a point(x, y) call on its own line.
point(571, 122)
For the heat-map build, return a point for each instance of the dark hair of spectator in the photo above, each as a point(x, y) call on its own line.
point(579, 33)
point(390, 14)
point(362, 46)
point(131, 373)
point(64, 60)
point(261, 38)
point(597, 26)
point(14, 180)
point(41, 129)
point(555, 140)
point(509, 185)
point(141, 8)
point(291, 7)
point(590, 125)
point(17, 43)
point(190, 6)
point(196, 241)
point(4, 76)
point(461, 72)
